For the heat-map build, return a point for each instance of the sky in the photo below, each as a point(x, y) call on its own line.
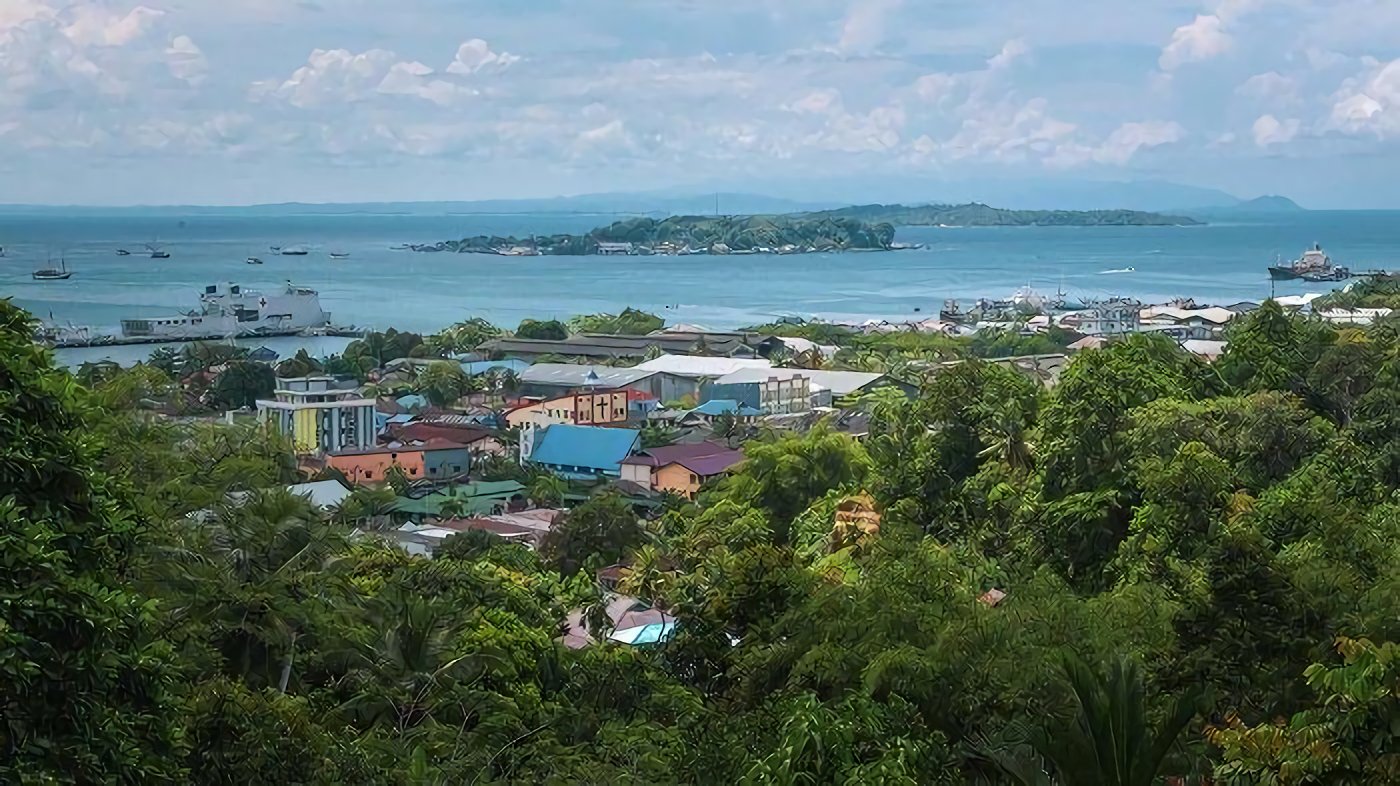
point(249, 101)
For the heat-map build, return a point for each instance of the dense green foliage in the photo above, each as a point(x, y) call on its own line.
point(1377, 292)
point(1189, 555)
point(631, 322)
point(700, 233)
point(549, 330)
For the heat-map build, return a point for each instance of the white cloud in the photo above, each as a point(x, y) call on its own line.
point(1129, 138)
point(415, 79)
point(1369, 103)
point(331, 76)
point(934, 88)
point(1202, 39)
point(1011, 51)
point(1269, 86)
point(1008, 132)
point(864, 26)
point(1269, 130)
point(816, 102)
point(475, 56)
point(94, 24)
point(186, 61)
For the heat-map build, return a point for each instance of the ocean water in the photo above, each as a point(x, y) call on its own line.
point(376, 287)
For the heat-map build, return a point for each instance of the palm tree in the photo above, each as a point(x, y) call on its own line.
point(453, 507)
point(548, 490)
point(648, 578)
point(1110, 742)
point(509, 382)
point(410, 672)
point(367, 507)
point(261, 570)
point(1005, 437)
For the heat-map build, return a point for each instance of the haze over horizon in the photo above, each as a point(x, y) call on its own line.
point(115, 102)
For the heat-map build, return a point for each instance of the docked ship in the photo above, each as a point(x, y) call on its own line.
point(1313, 265)
point(229, 310)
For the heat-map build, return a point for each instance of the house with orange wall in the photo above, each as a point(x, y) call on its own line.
point(433, 459)
point(680, 469)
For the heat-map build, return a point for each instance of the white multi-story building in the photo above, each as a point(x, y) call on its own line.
point(319, 417)
point(1113, 317)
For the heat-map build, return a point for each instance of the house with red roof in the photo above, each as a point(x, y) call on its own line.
point(680, 469)
point(477, 440)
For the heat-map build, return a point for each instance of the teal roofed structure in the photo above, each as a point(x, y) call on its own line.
point(412, 402)
point(583, 452)
point(723, 406)
point(476, 499)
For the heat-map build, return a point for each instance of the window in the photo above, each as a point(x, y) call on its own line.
point(694, 478)
point(456, 469)
point(413, 471)
point(369, 475)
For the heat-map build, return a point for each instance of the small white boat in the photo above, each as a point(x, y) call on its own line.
point(254, 261)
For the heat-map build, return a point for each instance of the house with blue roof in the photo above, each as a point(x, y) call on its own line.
point(579, 452)
point(707, 413)
point(412, 402)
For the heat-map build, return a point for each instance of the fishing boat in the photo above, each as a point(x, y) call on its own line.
point(952, 311)
point(121, 252)
point(339, 255)
point(230, 310)
point(294, 251)
point(1313, 265)
point(60, 273)
point(157, 252)
point(253, 261)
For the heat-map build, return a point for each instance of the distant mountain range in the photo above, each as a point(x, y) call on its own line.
point(980, 215)
point(784, 197)
point(1262, 206)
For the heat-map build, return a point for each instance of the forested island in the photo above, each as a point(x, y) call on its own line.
point(856, 228)
point(692, 235)
point(979, 215)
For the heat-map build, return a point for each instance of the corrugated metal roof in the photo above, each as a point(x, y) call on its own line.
point(591, 447)
point(474, 368)
point(658, 457)
point(700, 365)
point(573, 375)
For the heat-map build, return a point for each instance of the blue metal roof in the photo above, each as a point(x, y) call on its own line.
point(726, 406)
point(482, 366)
point(589, 447)
point(411, 401)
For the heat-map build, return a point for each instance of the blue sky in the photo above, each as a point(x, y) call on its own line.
point(169, 101)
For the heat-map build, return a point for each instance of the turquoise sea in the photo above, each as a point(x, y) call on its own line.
point(376, 287)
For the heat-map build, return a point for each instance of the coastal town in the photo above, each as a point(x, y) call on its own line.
point(463, 426)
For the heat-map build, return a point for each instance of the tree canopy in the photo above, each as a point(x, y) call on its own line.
point(1157, 570)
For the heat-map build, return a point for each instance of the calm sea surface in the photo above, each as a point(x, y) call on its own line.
point(1221, 263)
